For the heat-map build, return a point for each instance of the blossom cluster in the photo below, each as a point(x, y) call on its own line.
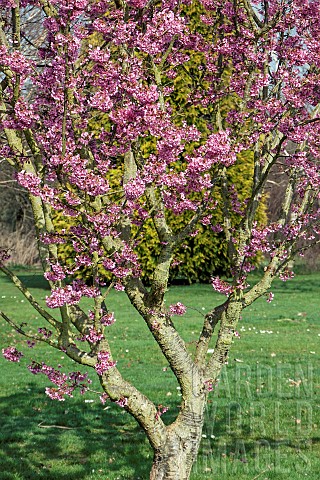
point(107, 319)
point(161, 410)
point(122, 402)
point(12, 354)
point(65, 383)
point(209, 385)
point(45, 332)
point(104, 363)
point(177, 309)
point(94, 336)
point(70, 294)
point(221, 286)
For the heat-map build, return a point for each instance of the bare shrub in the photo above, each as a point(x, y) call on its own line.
point(21, 247)
point(276, 186)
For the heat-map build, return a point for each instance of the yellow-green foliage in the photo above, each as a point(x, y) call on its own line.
point(205, 254)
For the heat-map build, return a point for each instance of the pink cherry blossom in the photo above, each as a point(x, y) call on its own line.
point(103, 364)
point(107, 319)
point(12, 354)
point(122, 402)
point(177, 309)
point(221, 286)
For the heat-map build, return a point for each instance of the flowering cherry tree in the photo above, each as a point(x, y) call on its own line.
point(266, 56)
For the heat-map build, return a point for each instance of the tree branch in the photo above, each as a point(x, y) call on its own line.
point(24, 290)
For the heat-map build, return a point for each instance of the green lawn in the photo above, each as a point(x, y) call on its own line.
point(261, 423)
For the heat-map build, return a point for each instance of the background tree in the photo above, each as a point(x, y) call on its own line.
point(16, 220)
point(270, 54)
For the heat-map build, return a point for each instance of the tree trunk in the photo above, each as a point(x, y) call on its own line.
point(174, 460)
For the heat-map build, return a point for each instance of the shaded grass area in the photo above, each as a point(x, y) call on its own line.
point(69, 440)
point(262, 421)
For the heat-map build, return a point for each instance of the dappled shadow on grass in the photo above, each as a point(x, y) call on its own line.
point(247, 451)
point(30, 279)
point(255, 456)
point(248, 459)
point(44, 439)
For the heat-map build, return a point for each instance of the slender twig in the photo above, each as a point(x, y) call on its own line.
point(40, 425)
point(24, 290)
point(33, 336)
